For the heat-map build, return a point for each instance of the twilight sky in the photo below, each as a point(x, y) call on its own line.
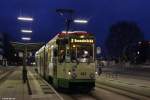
point(101, 14)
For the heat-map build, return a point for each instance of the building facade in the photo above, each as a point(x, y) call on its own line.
point(144, 52)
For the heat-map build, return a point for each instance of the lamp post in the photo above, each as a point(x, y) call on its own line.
point(80, 21)
point(24, 71)
point(26, 31)
point(25, 60)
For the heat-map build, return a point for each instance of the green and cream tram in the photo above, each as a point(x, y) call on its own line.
point(68, 60)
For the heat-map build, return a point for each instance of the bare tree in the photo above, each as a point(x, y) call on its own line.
point(123, 35)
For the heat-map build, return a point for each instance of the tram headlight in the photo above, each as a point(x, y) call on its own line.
point(69, 73)
point(96, 73)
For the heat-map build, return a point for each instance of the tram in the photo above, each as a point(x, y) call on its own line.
point(68, 60)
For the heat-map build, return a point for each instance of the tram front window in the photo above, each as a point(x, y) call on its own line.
point(82, 53)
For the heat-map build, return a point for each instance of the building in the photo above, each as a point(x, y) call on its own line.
point(5, 49)
point(143, 52)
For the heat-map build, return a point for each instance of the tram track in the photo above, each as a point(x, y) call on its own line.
point(95, 95)
point(79, 96)
point(102, 92)
point(128, 94)
point(84, 97)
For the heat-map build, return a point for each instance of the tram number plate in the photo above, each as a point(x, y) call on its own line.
point(83, 73)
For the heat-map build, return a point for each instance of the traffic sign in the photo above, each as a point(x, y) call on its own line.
point(98, 50)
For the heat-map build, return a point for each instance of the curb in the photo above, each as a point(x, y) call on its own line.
point(53, 89)
point(57, 94)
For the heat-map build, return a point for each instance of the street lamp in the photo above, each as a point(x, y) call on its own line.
point(80, 21)
point(26, 31)
point(25, 18)
point(26, 38)
point(139, 42)
point(29, 19)
point(138, 52)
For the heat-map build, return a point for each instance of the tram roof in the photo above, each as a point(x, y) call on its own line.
point(73, 33)
point(63, 34)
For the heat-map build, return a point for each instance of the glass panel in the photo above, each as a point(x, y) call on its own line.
point(61, 54)
point(82, 53)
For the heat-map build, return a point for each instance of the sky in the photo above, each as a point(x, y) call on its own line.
point(101, 14)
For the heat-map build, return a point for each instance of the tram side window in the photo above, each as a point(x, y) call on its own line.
point(54, 58)
point(55, 52)
point(62, 49)
point(61, 55)
point(67, 58)
point(46, 58)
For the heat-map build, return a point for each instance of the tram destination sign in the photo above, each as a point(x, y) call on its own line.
point(82, 41)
